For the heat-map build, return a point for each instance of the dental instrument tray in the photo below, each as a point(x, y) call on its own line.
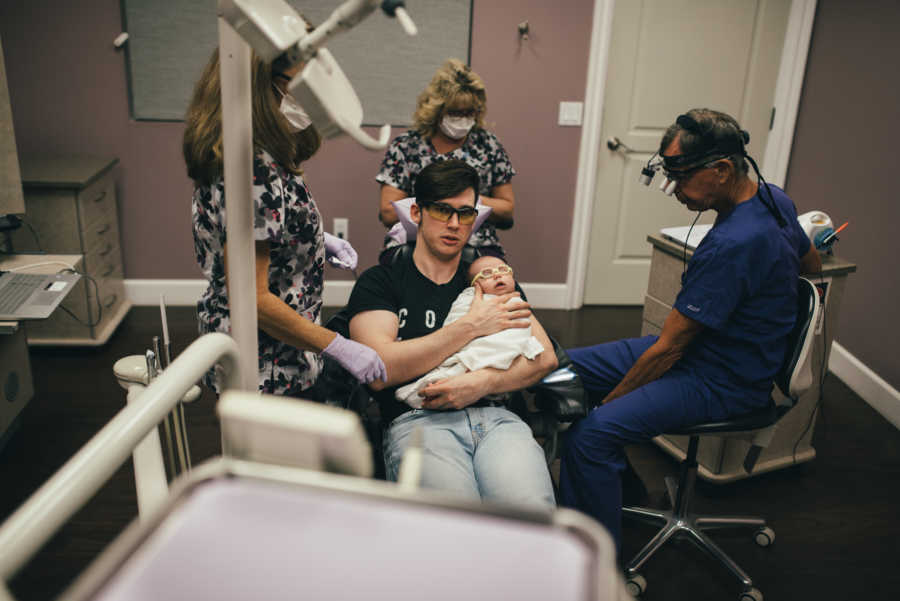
point(241, 530)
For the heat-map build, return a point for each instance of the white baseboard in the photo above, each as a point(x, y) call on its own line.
point(883, 397)
point(336, 293)
point(178, 292)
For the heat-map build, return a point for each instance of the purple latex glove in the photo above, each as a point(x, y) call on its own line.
point(360, 360)
point(339, 253)
point(398, 233)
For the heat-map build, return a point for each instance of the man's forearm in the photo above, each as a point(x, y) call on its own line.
point(461, 391)
point(406, 360)
point(650, 366)
point(522, 373)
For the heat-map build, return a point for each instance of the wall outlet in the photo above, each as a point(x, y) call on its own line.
point(341, 224)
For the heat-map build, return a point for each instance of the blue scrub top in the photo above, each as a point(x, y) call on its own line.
point(741, 283)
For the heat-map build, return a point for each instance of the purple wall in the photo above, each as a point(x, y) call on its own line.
point(69, 96)
point(844, 162)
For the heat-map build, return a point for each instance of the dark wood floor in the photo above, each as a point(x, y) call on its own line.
point(835, 518)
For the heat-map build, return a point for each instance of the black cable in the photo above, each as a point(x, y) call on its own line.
point(764, 185)
point(37, 240)
point(688, 237)
point(96, 293)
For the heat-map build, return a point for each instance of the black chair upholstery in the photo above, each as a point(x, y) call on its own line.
point(553, 403)
point(793, 378)
point(390, 256)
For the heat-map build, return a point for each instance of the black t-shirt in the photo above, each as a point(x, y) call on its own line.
point(420, 305)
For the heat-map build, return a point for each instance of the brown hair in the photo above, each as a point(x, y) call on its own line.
point(453, 84)
point(202, 143)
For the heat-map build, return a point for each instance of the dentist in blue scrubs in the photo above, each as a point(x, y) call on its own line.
point(726, 335)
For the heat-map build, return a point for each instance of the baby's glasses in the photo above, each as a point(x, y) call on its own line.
point(489, 272)
point(444, 212)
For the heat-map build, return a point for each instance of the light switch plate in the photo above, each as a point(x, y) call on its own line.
point(570, 113)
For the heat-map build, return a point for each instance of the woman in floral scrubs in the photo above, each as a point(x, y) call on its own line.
point(287, 228)
point(449, 124)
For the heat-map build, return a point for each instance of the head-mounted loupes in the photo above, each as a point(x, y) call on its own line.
point(654, 165)
point(676, 168)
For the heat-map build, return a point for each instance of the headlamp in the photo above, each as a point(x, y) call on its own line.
point(712, 149)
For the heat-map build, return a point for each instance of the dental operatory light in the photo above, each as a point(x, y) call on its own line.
point(280, 35)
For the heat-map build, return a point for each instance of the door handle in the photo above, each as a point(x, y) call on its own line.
point(618, 145)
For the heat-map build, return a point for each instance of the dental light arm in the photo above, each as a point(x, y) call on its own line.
point(344, 17)
point(270, 27)
point(277, 33)
point(322, 88)
point(328, 98)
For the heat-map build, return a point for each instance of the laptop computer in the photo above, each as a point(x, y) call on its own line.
point(32, 296)
point(680, 234)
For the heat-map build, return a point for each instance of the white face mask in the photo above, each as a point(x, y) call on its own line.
point(456, 128)
point(294, 113)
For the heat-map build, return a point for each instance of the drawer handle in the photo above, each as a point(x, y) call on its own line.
point(101, 197)
point(104, 229)
point(110, 301)
point(107, 250)
point(109, 270)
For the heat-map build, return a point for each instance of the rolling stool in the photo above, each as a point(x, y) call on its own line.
point(678, 521)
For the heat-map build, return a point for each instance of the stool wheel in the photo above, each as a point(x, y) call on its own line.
point(751, 594)
point(636, 585)
point(764, 537)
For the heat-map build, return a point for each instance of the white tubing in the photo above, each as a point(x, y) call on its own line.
point(62, 495)
point(149, 472)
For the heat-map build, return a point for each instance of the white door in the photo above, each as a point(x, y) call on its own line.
point(665, 57)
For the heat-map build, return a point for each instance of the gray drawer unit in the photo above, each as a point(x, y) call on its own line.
point(71, 203)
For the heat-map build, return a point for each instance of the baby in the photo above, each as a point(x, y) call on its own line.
point(497, 350)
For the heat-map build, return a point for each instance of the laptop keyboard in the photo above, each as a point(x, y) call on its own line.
point(18, 290)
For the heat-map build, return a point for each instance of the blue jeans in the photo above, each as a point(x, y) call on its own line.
point(478, 452)
point(593, 455)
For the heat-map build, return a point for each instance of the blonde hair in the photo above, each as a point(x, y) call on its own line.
point(454, 83)
point(202, 143)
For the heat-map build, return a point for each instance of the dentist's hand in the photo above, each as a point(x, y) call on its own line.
point(339, 253)
point(360, 360)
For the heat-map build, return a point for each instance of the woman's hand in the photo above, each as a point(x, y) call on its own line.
point(360, 360)
point(339, 252)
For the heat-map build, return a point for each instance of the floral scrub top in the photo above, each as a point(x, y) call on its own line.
point(409, 153)
point(287, 218)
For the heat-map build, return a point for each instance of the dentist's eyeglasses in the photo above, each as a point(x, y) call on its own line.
point(443, 212)
point(489, 272)
point(656, 164)
point(683, 174)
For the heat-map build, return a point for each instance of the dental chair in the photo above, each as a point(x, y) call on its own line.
point(793, 379)
point(548, 407)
